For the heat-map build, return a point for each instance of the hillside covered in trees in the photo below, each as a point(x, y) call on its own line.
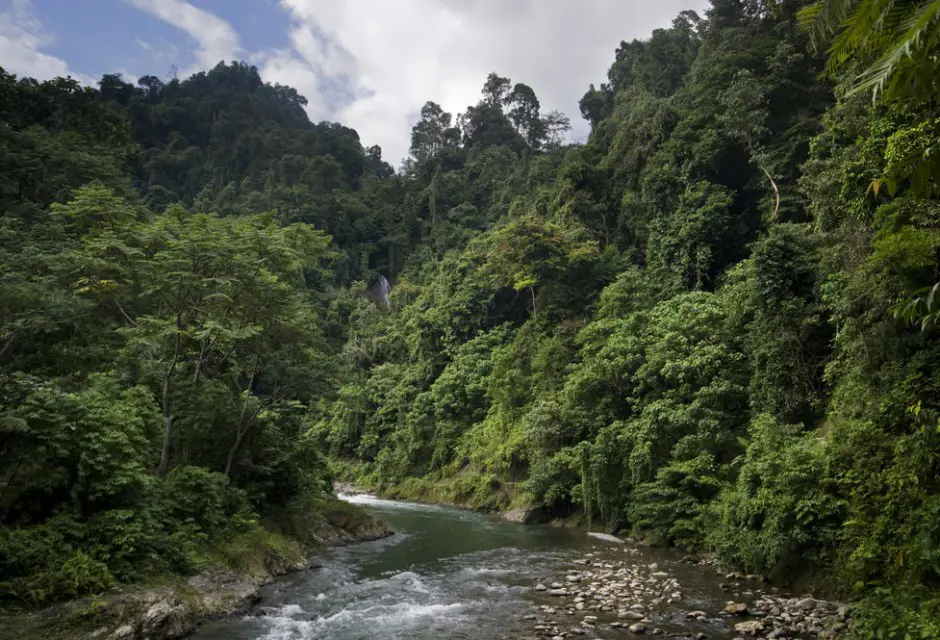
point(711, 325)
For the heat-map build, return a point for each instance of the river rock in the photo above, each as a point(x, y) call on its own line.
point(630, 615)
point(541, 587)
point(752, 627)
point(560, 593)
point(637, 628)
point(736, 609)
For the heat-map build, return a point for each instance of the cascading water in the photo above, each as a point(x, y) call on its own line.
point(382, 290)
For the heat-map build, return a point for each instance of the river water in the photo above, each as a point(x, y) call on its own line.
point(453, 574)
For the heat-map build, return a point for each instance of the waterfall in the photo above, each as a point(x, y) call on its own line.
point(382, 290)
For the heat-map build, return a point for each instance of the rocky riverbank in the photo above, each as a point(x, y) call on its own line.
point(175, 608)
point(609, 595)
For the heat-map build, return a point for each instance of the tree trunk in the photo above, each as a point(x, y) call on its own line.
point(7, 344)
point(231, 452)
point(167, 429)
point(776, 191)
point(242, 427)
point(167, 414)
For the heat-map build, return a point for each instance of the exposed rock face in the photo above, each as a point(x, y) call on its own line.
point(165, 620)
point(125, 632)
point(166, 613)
point(532, 515)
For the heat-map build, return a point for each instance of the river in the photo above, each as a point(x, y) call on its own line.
point(453, 574)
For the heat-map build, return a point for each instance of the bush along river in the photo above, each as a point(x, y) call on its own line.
point(453, 574)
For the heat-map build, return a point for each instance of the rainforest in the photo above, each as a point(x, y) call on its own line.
point(710, 326)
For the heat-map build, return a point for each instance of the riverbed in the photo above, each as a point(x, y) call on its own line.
point(454, 574)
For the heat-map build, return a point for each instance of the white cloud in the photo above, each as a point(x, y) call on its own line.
point(397, 55)
point(162, 53)
point(216, 38)
point(392, 56)
point(22, 38)
point(283, 66)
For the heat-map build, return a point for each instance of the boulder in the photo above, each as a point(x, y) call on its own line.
point(527, 515)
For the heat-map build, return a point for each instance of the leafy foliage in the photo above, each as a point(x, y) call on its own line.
point(695, 326)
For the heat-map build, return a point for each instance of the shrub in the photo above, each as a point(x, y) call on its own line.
point(784, 510)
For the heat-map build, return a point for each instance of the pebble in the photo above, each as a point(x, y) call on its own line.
point(626, 594)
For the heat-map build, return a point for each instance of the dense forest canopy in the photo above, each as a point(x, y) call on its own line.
point(712, 324)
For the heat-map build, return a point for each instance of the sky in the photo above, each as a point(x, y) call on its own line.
point(370, 64)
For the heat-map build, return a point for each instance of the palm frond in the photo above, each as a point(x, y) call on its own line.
point(897, 39)
point(822, 18)
point(860, 32)
point(914, 33)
